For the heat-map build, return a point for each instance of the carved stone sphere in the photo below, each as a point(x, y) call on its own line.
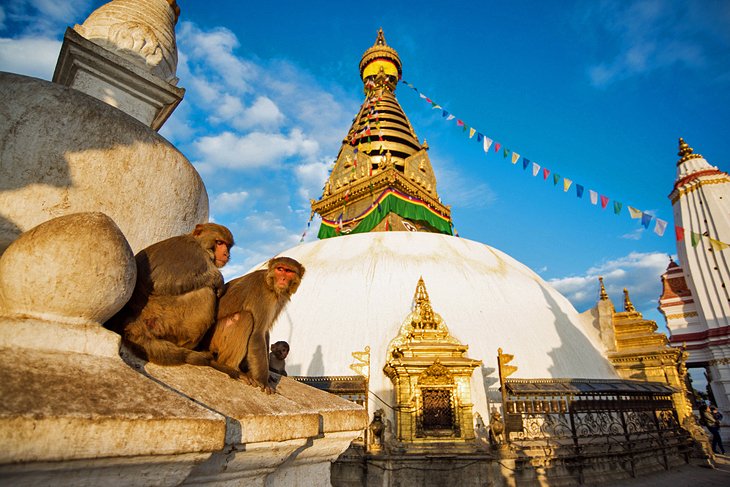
point(76, 268)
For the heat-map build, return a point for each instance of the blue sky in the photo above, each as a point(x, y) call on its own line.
point(596, 91)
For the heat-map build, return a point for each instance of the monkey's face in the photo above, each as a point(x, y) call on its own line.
point(280, 352)
point(221, 253)
point(283, 276)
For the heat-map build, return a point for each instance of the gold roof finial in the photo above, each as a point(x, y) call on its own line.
point(381, 57)
point(423, 306)
point(380, 41)
point(685, 152)
point(628, 306)
point(604, 294)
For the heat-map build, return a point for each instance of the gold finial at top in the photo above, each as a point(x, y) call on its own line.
point(628, 305)
point(685, 152)
point(380, 41)
point(604, 294)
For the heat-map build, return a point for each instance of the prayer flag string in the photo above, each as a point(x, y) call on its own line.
point(646, 218)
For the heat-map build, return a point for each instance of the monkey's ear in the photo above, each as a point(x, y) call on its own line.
point(301, 271)
point(198, 229)
point(270, 263)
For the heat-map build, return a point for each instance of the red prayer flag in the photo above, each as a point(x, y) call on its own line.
point(604, 201)
point(459, 123)
point(545, 173)
point(497, 145)
point(679, 233)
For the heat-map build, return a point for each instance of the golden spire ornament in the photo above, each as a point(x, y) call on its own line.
point(604, 295)
point(686, 152)
point(628, 305)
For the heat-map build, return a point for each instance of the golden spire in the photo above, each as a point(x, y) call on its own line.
point(423, 307)
point(604, 294)
point(685, 152)
point(628, 306)
point(380, 65)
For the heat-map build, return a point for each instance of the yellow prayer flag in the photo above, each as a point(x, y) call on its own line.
point(634, 212)
point(717, 245)
point(566, 184)
point(515, 157)
point(471, 133)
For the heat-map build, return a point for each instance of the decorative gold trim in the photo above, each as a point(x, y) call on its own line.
point(693, 186)
point(689, 314)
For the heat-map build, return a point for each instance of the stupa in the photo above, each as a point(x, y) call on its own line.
point(428, 319)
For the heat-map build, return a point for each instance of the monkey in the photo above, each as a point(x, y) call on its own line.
point(175, 296)
point(250, 304)
point(279, 351)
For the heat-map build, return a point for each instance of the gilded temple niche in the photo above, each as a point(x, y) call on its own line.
point(432, 379)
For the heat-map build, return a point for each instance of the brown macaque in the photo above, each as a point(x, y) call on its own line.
point(246, 312)
point(174, 300)
point(277, 357)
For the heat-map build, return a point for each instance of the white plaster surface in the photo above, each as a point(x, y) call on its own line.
point(358, 290)
point(64, 152)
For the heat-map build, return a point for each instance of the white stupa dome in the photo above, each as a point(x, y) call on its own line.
point(358, 290)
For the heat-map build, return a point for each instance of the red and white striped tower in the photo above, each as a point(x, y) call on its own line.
point(701, 202)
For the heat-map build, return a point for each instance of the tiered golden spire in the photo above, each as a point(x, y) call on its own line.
point(686, 152)
point(380, 153)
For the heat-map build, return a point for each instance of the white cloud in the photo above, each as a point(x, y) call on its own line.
point(213, 51)
point(39, 17)
point(634, 235)
point(263, 113)
point(226, 202)
point(255, 149)
point(29, 56)
point(638, 272)
point(649, 35)
point(311, 177)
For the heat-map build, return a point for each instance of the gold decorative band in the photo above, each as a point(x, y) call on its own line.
point(689, 314)
point(681, 192)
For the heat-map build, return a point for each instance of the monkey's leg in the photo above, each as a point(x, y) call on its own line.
point(258, 361)
point(161, 351)
point(230, 343)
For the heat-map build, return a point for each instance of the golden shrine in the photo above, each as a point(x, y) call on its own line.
point(639, 352)
point(432, 378)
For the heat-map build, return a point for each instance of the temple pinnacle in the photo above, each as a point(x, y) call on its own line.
point(604, 294)
point(628, 305)
point(685, 152)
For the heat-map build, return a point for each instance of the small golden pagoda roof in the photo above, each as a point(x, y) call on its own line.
point(686, 152)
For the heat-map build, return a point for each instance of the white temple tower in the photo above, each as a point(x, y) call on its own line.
point(701, 201)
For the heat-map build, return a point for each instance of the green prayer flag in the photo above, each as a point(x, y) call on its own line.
point(556, 178)
point(696, 237)
point(617, 206)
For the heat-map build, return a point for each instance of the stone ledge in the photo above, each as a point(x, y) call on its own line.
point(66, 406)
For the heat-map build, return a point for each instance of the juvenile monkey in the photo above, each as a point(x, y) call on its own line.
point(174, 298)
point(277, 357)
point(246, 313)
